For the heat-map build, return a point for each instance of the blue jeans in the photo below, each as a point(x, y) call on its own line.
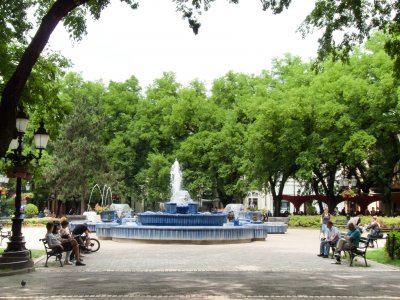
point(325, 246)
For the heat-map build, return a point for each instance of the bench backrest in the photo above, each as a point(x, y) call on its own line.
point(45, 244)
point(364, 243)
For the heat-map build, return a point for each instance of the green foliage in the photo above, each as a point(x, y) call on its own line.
point(314, 221)
point(380, 256)
point(355, 21)
point(79, 159)
point(99, 209)
point(7, 206)
point(38, 221)
point(31, 210)
point(392, 245)
point(250, 132)
point(35, 254)
point(386, 222)
point(304, 221)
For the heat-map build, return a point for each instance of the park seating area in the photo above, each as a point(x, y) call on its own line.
point(52, 252)
point(361, 251)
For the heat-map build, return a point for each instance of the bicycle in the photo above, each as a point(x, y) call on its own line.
point(94, 244)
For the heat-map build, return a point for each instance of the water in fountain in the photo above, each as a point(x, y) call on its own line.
point(178, 196)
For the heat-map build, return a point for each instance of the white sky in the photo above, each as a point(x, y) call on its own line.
point(154, 38)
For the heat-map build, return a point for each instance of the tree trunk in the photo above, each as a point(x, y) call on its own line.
point(83, 206)
point(14, 87)
point(328, 187)
point(316, 192)
point(387, 201)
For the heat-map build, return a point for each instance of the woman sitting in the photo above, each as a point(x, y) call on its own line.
point(54, 240)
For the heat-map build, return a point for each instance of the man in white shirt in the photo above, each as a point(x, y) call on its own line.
point(331, 236)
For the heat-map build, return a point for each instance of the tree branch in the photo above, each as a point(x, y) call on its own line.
point(14, 87)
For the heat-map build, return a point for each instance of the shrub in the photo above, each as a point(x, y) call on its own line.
point(39, 221)
point(304, 221)
point(392, 245)
point(31, 210)
point(314, 221)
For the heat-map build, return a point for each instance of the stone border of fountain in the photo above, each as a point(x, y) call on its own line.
point(161, 234)
point(182, 234)
point(248, 232)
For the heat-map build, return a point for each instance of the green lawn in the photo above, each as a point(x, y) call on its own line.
point(35, 253)
point(380, 256)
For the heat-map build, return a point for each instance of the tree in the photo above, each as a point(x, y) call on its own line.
point(346, 24)
point(49, 14)
point(79, 157)
point(354, 124)
point(278, 133)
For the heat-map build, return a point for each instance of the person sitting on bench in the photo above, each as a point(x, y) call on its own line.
point(352, 239)
point(331, 236)
point(64, 244)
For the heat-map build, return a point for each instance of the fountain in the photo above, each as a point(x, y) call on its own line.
point(181, 222)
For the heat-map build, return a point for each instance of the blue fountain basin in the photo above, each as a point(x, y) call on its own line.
point(186, 234)
point(165, 219)
point(91, 225)
point(270, 227)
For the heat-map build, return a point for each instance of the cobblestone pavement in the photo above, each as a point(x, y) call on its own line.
point(284, 266)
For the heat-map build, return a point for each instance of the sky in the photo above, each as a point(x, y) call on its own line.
point(154, 39)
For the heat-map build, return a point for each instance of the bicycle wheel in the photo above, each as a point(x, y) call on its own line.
point(94, 245)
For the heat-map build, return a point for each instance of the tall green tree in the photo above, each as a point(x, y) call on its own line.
point(49, 14)
point(354, 108)
point(79, 156)
point(278, 133)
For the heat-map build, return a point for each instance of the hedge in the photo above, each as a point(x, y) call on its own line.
point(393, 244)
point(314, 221)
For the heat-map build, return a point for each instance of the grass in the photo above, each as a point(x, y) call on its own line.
point(6, 270)
point(35, 253)
point(380, 256)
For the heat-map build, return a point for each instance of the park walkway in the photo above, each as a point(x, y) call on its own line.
point(283, 266)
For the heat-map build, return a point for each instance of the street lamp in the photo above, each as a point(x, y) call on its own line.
point(27, 186)
point(346, 183)
point(16, 256)
point(4, 179)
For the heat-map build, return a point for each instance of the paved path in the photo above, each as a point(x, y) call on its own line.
point(283, 266)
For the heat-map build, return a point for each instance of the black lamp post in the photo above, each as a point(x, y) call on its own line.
point(16, 256)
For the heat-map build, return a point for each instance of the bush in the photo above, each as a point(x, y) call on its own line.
point(39, 221)
point(386, 222)
point(314, 221)
point(304, 221)
point(392, 245)
point(31, 210)
point(7, 207)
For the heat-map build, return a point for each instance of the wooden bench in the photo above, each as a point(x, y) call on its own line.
point(4, 234)
point(56, 251)
point(361, 250)
point(341, 222)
